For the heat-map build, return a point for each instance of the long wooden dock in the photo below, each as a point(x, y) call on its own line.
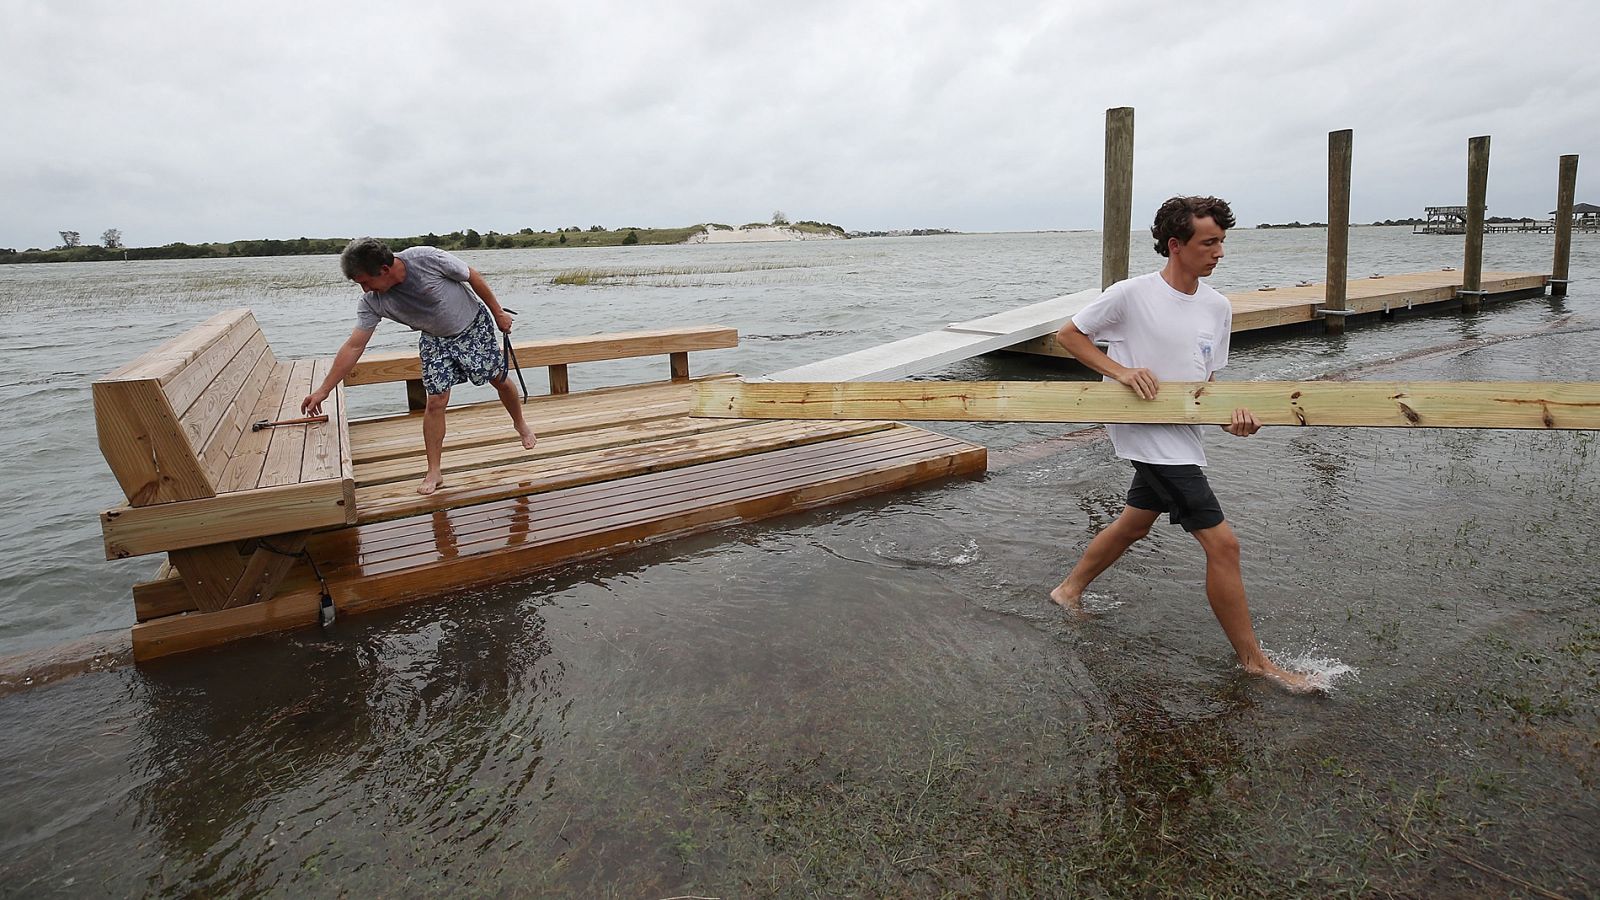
point(613, 467)
point(1031, 329)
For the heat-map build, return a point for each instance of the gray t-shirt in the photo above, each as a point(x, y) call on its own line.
point(433, 298)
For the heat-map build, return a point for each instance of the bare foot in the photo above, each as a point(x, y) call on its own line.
point(1071, 602)
point(430, 483)
point(1291, 681)
point(528, 438)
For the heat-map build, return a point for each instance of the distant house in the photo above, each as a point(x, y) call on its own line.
point(1585, 216)
point(1443, 220)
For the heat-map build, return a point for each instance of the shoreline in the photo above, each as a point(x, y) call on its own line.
point(716, 234)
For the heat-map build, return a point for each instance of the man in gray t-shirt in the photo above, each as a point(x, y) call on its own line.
point(446, 300)
point(431, 297)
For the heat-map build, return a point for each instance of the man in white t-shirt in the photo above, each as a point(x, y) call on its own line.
point(1168, 326)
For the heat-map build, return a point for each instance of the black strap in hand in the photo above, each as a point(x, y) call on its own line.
point(511, 363)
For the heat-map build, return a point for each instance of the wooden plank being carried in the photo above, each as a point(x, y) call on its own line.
point(1506, 404)
point(376, 368)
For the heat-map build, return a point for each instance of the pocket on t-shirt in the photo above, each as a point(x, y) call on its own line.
point(1205, 350)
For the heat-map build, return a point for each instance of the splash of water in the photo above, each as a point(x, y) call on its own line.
point(1324, 671)
point(1094, 602)
point(969, 553)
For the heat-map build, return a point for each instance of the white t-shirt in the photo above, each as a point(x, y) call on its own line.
point(1179, 337)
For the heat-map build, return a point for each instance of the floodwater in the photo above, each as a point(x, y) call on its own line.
point(871, 699)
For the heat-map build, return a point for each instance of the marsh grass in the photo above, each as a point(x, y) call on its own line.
point(673, 274)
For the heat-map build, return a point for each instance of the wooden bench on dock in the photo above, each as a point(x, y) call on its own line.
point(230, 504)
point(614, 467)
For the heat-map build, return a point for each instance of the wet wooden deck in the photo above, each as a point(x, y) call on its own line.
point(613, 467)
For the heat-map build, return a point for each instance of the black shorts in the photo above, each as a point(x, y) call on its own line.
point(1180, 491)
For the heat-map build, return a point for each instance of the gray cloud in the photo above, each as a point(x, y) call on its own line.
point(197, 121)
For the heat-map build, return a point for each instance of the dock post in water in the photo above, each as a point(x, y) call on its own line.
point(1116, 220)
point(1477, 190)
point(1333, 303)
point(1566, 187)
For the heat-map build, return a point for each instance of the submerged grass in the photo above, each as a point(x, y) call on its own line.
point(632, 274)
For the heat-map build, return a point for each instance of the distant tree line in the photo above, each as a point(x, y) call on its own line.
point(72, 248)
point(904, 232)
point(1493, 220)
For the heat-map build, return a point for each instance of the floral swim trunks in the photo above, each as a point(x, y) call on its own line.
point(473, 355)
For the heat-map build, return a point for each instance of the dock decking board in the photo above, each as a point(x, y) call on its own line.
point(486, 423)
point(155, 599)
point(600, 501)
point(511, 449)
point(427, 544)
point(401, 499)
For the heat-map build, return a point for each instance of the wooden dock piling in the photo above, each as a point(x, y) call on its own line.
point(1477, 191)
point(1333, 304)
point(1117, 216)
point(1566, 188)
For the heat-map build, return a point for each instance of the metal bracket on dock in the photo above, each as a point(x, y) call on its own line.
point(1472, 293)
point(1558, 281)
point(1318, 311)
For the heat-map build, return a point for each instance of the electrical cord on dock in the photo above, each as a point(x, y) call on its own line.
point(326, 611)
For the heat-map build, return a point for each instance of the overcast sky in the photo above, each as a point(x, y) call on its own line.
point(213, 121)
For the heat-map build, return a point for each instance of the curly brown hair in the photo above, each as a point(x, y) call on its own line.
point(365, 256)
point(1175, 218)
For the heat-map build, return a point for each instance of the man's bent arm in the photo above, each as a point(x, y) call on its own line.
point(481, 288)
point(1141, 381)
point(343, 362)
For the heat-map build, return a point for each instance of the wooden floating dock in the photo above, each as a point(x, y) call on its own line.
point(1031, 329)
point(234, 509)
